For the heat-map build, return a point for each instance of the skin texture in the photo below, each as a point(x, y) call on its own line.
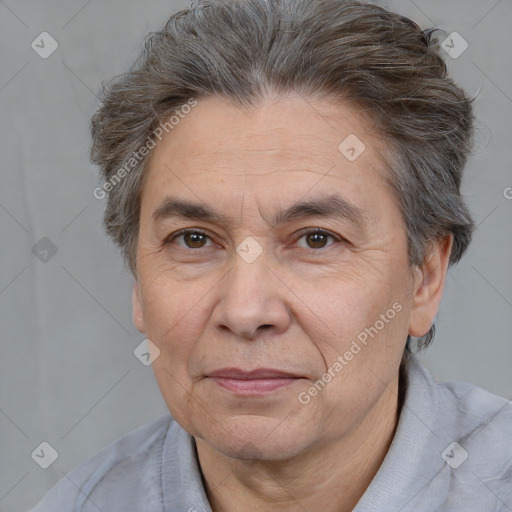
point(297, 307)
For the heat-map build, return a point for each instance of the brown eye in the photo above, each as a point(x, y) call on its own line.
point(194, 240)
point(188, 239)
point(317, 239)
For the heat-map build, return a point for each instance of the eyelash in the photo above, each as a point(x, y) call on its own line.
point(302, 234)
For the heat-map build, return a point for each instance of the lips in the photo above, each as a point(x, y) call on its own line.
point(258, 373)
point(254, 382)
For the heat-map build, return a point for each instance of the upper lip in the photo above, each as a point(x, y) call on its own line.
point(258, 373)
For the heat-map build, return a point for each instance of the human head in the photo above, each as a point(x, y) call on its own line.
point(348, 50)
point(239, 85)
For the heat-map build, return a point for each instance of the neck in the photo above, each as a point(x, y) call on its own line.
point(330, 478)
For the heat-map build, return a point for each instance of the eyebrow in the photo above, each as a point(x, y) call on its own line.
point(333, 206)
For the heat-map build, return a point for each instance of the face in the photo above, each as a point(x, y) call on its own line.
point(266, 247)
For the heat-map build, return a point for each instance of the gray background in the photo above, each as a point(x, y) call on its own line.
point(68, 375)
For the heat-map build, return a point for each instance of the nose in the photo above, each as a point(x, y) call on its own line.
point(252, 301)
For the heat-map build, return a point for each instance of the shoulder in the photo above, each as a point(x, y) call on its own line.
point(451, 451)
point(462, 409)
point(471, 430)
point(478, 414)
point(482, 423)
point(482, 450)
point(118, 467)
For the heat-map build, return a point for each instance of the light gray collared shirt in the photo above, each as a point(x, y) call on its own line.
point(452, 452)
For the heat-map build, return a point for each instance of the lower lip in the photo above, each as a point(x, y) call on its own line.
point(253, 386)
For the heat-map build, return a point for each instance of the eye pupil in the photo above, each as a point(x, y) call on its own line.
point(317, 239)
point(194, 240)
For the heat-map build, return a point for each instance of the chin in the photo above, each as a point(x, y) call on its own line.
point(251, 437)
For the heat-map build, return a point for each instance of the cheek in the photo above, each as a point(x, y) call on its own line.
point(175, 318)
point(361, 354)
point(347, 307)
point(366, 325)
point(174, 314)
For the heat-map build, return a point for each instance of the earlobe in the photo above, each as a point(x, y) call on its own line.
point(138, 317)
point(429, 286)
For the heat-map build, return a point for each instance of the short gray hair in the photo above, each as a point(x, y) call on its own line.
point(340, 49)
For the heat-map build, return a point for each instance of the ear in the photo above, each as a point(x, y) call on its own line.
point(428, 287)
point(138, 317)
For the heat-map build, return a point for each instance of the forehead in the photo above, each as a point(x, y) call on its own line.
point(280, 148)
point(288, 127)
